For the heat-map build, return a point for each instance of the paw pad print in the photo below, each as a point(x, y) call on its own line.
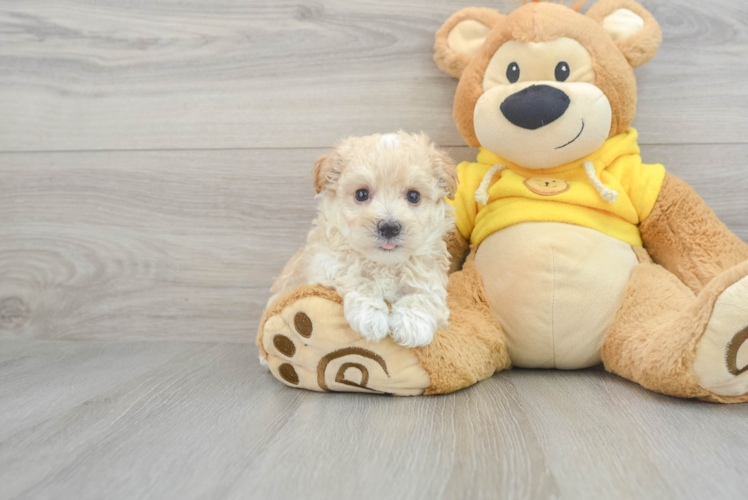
point(311, 346)
point(721, 363)
point(732, 351)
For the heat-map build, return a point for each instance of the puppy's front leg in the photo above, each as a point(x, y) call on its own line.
point(415, 318)
point(366, 315)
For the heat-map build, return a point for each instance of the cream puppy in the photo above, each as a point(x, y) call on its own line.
point(378, 238)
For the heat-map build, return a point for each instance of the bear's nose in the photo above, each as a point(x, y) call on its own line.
point(388, 229)
point(535, 106)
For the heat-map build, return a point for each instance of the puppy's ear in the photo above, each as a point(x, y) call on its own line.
point(325, 171)
point(632, 28)
point(461, 38)
point(446, 172)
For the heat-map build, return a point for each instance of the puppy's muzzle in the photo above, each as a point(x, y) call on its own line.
point(389, 229)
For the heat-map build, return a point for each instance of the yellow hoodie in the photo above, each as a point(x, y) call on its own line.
point(610, 190)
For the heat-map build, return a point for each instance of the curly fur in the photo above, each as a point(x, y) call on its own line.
point(401, 291)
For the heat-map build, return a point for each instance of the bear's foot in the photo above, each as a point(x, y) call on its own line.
point(721, 362)
point(307, 343)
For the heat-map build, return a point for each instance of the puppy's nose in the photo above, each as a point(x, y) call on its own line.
point(389, 229)
point(535, 107)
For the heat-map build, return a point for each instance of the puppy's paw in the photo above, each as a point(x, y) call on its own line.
point(442, 316)
point(366, 315)
point(411, 327)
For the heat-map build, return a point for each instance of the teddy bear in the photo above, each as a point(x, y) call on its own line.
point(569, 250)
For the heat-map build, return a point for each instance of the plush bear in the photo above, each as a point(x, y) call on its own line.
point(578, 253)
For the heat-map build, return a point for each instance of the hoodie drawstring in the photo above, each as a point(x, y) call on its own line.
point(609, 195)
point(481, 194)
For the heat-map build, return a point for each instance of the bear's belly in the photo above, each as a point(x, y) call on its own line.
point(555, 289)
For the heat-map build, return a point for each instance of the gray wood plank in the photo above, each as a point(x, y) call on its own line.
point(212, 423)
point(184, 245)
point(175, 244)
point(73, 373)
point(655, 446)
point(114, 74)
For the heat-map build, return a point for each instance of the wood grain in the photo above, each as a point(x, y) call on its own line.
point(184, 244)
point(55, 377)
point(155, 175)
point(125, 74)
point(206, 421)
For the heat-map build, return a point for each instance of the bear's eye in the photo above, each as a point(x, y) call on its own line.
point(512, 72)
point(362, 195)
point(562, 71)
point(413, 197)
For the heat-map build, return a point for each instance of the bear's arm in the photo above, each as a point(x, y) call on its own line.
point(683, 235)
point(458, 248)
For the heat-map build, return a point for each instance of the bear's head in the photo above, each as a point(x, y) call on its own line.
point(546, 85)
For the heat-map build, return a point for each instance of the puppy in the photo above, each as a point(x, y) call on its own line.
point(379, 236)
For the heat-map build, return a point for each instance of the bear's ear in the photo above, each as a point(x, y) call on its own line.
point(461, 38)
point(325, 171)
point(632, 28)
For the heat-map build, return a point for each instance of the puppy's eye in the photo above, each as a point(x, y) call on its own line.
point(512, 72)
point(562, 71)
point(362, 195)
point(413, 197)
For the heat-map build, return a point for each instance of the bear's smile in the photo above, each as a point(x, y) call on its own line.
point(574, 139)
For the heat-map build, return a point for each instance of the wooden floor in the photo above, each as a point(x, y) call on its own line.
point(100, 419)
point(154, 177)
